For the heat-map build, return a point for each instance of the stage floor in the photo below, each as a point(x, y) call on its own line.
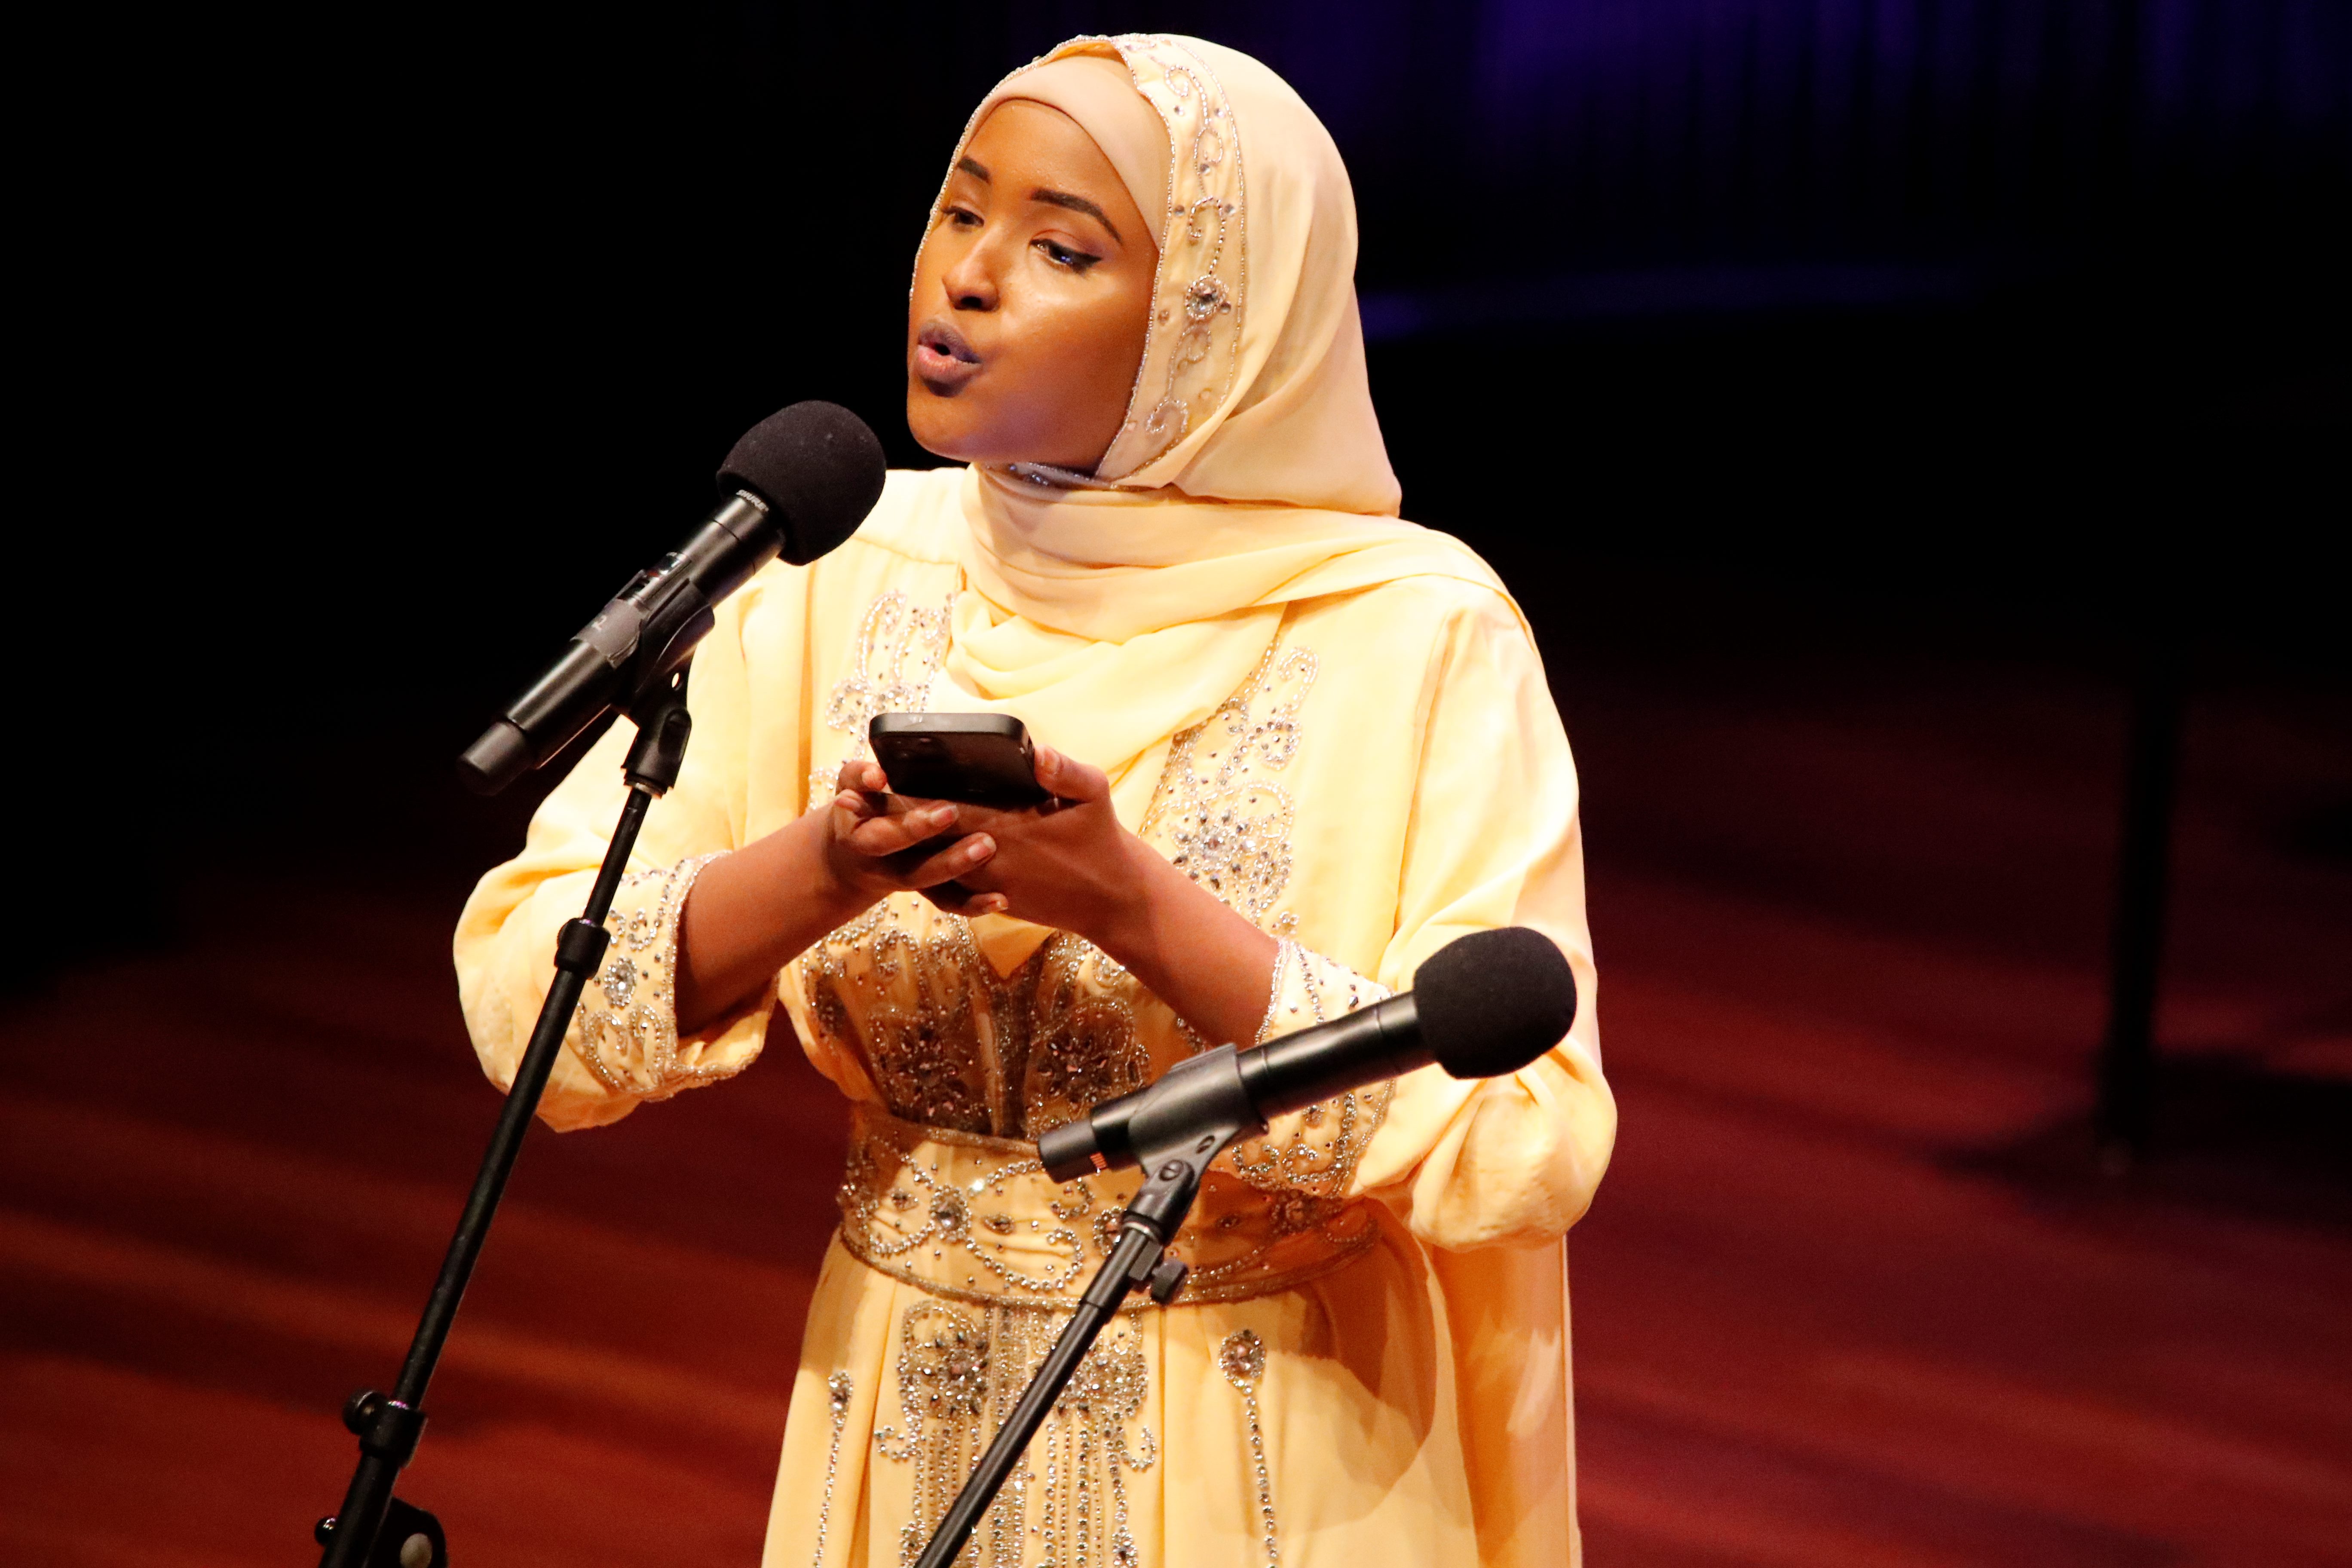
point(1851, 1294)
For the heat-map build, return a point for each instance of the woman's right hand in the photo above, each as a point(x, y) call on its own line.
point(876, 844)
point(754, 910)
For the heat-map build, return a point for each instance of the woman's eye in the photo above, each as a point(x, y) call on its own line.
point(962, 218)
point(1063, 256)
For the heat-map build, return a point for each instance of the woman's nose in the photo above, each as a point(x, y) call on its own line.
point(971, 281)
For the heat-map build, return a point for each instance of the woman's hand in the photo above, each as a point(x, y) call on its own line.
point(1067, 864)
point(876, 844)
point(755, 911)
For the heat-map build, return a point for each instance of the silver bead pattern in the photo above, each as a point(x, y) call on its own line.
point(951, 1043)
point(959, 1374)
point(969, 1218)
point(894, 1206)
point(943, 1192)
point(1242, 1358)
point(625, 1031)
point(1287, 957)
point(1192, 336)
point(1227, 827)
point(837, 1389)
point(1305, 1165)
point(897, 655)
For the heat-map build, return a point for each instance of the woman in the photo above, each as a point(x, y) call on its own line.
point(1300, 746)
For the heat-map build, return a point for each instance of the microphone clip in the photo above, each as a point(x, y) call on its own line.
point(1202, 1102)
point(1186, 1120)
point(663, 726)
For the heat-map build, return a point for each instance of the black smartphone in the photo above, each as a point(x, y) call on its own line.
point(979, 759)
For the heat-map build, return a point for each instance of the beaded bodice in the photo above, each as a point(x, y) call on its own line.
point(954, 1036)
point(974, 1044)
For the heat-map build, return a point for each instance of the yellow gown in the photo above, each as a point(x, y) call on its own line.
point(1334, 723)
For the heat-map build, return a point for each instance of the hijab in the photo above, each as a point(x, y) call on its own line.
point(1113, 611)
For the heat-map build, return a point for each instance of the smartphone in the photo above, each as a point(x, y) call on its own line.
point(979, 759)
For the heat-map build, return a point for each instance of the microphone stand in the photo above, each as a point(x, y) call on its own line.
point(1207, 1109)
point(373, 1529)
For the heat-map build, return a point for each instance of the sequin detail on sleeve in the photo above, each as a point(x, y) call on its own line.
point(1308, 1158)
point(626, 1032)
point(1287, 957)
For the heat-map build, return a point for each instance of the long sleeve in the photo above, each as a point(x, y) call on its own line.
point(1493, 840)
point(624, 1047)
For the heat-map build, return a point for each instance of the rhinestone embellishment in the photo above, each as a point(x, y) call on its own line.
point(1204, 296)
point(1242, 1358)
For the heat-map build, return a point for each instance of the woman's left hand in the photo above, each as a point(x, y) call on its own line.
point(1068, 863)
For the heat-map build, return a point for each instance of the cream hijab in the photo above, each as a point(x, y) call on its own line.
point(1112, 611)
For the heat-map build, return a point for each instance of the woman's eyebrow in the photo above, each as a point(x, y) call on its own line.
point(974, 167)
point(1077, 204)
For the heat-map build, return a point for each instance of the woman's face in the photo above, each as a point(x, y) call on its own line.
point(1031, 296)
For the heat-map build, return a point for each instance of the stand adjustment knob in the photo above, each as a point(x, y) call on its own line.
point(1167, 1279)
point(360, 1412)
point(385, 1427)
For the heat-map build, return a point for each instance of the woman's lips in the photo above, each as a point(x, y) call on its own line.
point(942, 360)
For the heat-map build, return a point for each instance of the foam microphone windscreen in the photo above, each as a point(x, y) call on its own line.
point(1494, 1001)
point(819, 469)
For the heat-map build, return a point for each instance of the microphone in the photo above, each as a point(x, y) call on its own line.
point(797, 484)
point(1482, 1006)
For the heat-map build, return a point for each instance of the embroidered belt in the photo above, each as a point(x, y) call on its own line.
point(975, 1218)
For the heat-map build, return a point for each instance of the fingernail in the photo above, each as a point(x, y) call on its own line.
point(997, 904)
point(940, 816)
point(983, 847)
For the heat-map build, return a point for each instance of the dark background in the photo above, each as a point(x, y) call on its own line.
point(1861, 396)
point(391, 342)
